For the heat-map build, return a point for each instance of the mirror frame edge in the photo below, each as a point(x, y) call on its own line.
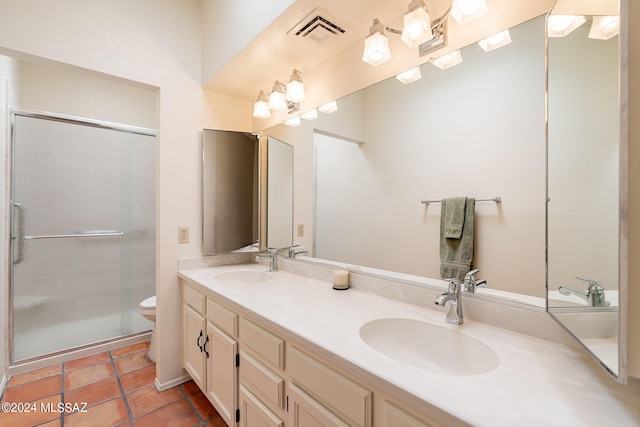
point(623, 196)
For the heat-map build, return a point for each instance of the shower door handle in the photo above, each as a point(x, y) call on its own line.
point(96, 233)
point(17, 237)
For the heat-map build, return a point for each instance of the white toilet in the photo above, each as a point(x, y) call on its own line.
point(148, 311)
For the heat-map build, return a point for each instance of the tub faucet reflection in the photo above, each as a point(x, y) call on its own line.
point(452, 302)
point(272, 254)
point(594, 295)
point(296, 250)
point(470, 282)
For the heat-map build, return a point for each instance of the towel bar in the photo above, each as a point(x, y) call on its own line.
point(496, 199)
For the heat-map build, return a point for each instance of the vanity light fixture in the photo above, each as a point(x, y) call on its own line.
point(261, 106)
point(310, 115)
point(495, 41)
point(295, 88)
point(448, 60)
point(604, 27)
point(329, 107)
point(464, 11)
point(410, 76)
point(293, 121)
point(561, 25)
point(376, 45)
point(418, 30)
point(417, 24)
point(277, 99)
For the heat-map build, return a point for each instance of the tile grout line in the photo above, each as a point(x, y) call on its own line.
point(191, 405)
point(121, 387)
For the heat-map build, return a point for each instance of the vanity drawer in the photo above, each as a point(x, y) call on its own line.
point(222, 317)
point(263, 343)
point(261, 379)
point(348, 398)
point(394, 416)
point(193, 298)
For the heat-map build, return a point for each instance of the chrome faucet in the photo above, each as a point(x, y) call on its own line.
point(293, 251)
point(470, 282)
point(452, 302)
point(272, 254)
point(594, 295)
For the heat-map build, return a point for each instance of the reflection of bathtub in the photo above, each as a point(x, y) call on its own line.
point(511, 296)
point(556, 299)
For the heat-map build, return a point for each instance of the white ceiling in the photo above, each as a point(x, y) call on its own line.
point(336, 69)
point(273, 54)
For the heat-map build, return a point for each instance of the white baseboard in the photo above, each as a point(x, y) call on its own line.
point(169, 384)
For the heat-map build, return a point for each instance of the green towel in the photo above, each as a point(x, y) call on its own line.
point(456, 255)
point(454, 214)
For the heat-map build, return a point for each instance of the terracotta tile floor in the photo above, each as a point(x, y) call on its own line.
point(117, 388)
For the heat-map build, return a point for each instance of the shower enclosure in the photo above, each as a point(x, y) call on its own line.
point(82, 232)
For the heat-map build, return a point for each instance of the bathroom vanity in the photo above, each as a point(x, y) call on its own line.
point(276, 349)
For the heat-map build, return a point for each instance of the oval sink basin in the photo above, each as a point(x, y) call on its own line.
point(429, 347)
point(244, 276)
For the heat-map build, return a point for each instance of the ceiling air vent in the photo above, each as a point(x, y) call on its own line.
point(318, 27)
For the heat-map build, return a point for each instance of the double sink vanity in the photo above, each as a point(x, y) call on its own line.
point(284, 348)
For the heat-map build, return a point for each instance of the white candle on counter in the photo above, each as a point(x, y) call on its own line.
point(340, 279)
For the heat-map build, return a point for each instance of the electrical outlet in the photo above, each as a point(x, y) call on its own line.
point(183, 234)
point(300, 230)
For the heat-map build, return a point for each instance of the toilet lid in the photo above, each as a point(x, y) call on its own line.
point(149, 303)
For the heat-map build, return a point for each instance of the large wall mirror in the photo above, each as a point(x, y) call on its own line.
point(476, 129)
point(479, 129)
point(583, 175)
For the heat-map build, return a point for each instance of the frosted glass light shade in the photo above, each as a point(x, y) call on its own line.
point(495, 41)
point(261, 106)
point(310, 115)
point(417, 27)
point(448, 60)
point(464, 11)
point(376, 49)
point(604, 27)
point(293, 122)
point(329, 107)
point(561, 25)
point(295, 88)
point(410, 76)
point(277, 100)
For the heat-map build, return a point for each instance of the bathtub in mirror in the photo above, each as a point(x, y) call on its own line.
point(584, 221)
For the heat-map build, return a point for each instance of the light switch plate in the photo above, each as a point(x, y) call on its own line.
point(183, 234)
point(300, 230)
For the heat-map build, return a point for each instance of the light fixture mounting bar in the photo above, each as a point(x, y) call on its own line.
point(439, 39)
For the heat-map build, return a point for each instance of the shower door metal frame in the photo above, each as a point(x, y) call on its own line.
point(9, 228)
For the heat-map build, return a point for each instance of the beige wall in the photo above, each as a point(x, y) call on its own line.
point(157, 44)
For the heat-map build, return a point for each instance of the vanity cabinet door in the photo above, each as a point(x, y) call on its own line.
point(222, 373)
point(305, 411)
point(254, 413)
point(194, 334)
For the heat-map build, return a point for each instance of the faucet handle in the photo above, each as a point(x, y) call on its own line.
point(454, 284)
point(469, 275)
point(593, 284)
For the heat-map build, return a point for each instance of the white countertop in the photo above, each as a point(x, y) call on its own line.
point(538, 382)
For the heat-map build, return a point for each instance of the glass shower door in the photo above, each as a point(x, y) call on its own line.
point(83, 234)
